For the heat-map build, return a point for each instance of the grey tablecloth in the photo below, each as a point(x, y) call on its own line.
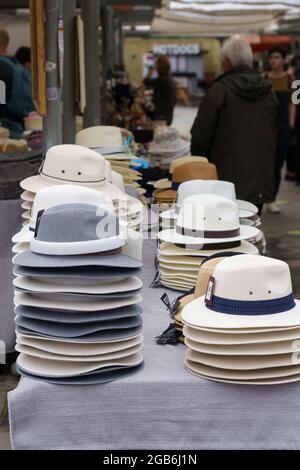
point(10, 223)
point(163, 407)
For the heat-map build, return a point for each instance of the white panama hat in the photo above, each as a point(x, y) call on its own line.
point(207, 219)
point(246, 292)
point(217, 187)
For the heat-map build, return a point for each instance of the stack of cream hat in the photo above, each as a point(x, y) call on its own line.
point(66, 194)
point(108, 141)
point(78, 318)
point(246, 329)
point(167, 146)
point(247, 210)
point(77, 165)
point(206, 225)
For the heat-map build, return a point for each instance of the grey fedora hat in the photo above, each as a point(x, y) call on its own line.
point(78, 317)
point(67, 330)
point(76, 229)
point(28, 259)
point(88, 379)
point(82, 273)
point(104, 335)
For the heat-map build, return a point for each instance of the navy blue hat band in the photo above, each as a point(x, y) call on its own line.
point(252, 307)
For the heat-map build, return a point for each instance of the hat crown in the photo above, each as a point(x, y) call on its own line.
point(67, 194)
point(194, 170)
point(199, 186)
point(100, 136)
point(74, 163)
point(208, 212)
point(252, 278)
point(75, 223)
point(166, 134)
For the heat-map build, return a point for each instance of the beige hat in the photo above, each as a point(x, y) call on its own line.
point(106, 140)
point(72, 164)
point(165, 183)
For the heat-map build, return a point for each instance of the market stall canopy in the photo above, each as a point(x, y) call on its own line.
point(223, 18)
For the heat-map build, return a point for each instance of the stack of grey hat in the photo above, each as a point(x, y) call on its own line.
point(78, 318)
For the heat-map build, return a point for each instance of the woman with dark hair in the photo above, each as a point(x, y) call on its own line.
point(164, 86)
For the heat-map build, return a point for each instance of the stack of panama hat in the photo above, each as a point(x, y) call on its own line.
point(247, 210)
point(167, 146)
point(166, 183)
point(78, 318)
point(109, 142)
point(182, 173)
point(67, 194)
point(77, 165)
point(206, 225)
point(246, 329)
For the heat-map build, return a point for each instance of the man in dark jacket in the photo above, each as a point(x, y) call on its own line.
point(236, 125)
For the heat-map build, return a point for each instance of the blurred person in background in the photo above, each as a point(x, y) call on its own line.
point(282, 86)
point(164, 87)
point(235, 127)
point(23, 56)
point(296, 69)
point(17, 87)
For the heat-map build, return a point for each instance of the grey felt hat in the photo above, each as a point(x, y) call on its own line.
point(84, 272)
point(28, 259)
point(67, 330)
point(77, 317)
point(76, 229)
point(87, 379)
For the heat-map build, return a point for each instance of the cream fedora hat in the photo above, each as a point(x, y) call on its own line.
point(106, 140)
point(207, 219)
point(71, 286)
point(217, 187)
point(173, 251)
point(55, 195)
point(79, 348)
point(72, 164)
point(248, 292)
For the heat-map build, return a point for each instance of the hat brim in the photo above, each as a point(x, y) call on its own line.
point(242, 362)
point(262, 349)
point(27, 196)
point(171, 236)
point(69, 330)
point(50, 368)
point(87, 379)
point(83, 273)
point(177, 261)
point(70, 302)
point(71, 348)
point(260, 377)
point(197, 314)
point(232, 339)
point(248, 207)
point(171, 214)
point(59, 316)
point(126, 286)
point(35, 183)
point(34, 260)
point(172, 250)
point(162, 184)
point(23, 236)
point(182, 268)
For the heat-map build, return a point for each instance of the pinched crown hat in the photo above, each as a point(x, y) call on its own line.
point(106, 140)
point(246, 291)
point(72, 164)
point(63, 194)
point(207, 219)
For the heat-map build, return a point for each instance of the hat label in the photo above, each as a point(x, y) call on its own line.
point(38, 220)
point(165, 299)
point(210, 290)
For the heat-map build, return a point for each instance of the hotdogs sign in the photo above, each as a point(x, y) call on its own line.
point(176, 49)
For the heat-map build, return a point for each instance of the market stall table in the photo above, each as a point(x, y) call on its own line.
point(163, 407)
